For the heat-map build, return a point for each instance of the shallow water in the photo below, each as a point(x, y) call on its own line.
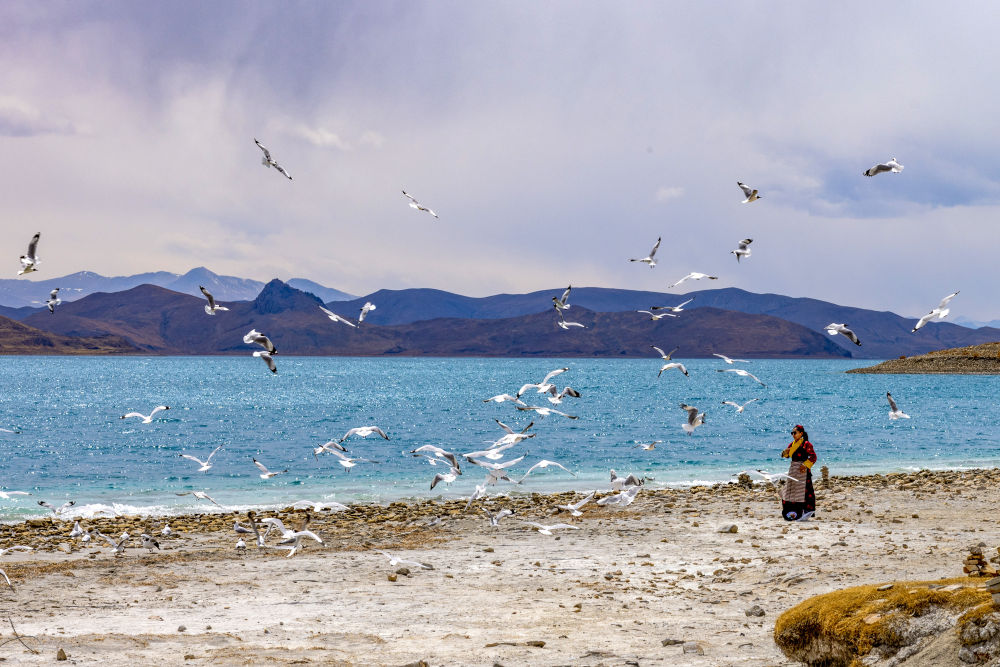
point(73, 444)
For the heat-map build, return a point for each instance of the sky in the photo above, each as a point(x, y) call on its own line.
point(555, 140)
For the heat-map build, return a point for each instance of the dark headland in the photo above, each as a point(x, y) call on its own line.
point(970, 360)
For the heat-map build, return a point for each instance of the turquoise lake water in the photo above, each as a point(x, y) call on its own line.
point(73, 445)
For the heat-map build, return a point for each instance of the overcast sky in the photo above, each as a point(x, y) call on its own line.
point(554, 139)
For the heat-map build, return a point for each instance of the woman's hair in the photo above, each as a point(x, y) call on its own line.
point(805, 436)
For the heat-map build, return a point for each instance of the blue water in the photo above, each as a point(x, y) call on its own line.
point(73, 445)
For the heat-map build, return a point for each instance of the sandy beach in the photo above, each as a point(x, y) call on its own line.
point(636, 585)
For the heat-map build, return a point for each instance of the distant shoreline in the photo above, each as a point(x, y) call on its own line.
point(972, 360)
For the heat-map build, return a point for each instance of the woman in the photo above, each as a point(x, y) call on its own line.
point(798, 500)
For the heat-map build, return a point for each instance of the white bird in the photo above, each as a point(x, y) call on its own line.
point(649, 446)
point(494, 453)
point(656, 316)
point(206, 464)
point(770, 476)
point(166, 532)
point(242, 530)
point(328, 447)
point(348, 461)
point(149, 542)
point(266, 356)
point(480, 492)
point(272, 523)
point(268, 161)
point(16, 547)
point(212, 306)
point(664, 355)
point(446, 477)
point(395, 560)
point(200, 495)
point(563, 324)
point(834, 328)
point(30, 259)
point(62, 509)
point(53, 301)
point(146, 419)
point(694, 420)
point(292, 541)
point(509, 431)
point(241, 545)
point(264, 472)
point(364, 432)
point(673, 364)
point(741, 373)
point(891, 166)
point(673, 309)
point(495, 518)
point(7, 430)
point(117, 546)
point(619, 483)
point(545, 412)
point(320, 506)
point(940, 312)
point(652, 253)
point(500, 398)
point(254, 336)
point(574, 508)
point(562, 303)
point(894, 411)
point(545, 463)
point(497, 467)
point(337, 318)
point(414, 204)
point(624, 498)
point(751, 195)
point(547, 530)
point(740, 408)
point(694, 275)
point(5, 495)
point(742, 249)
point(77, 530)
point(729, 360)
point(557, 397)
point(542, 386)
point(440, 454)
point(365, 309)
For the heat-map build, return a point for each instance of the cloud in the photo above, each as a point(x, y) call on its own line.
point(19, 119)
point(664, 193)
point(320, 137)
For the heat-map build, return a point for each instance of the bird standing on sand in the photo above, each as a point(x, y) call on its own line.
point(148, 542)
point(268, 161)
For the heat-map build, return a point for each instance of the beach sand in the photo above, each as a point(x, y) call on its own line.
point(629, 587)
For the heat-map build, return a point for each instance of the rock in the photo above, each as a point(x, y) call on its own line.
point(672, 642)
point(729, 528)
point(61, 655)
point(405, 571)
point(755, 610)
point(181, 628)
point(884, 587)
point(392, 577)
point(537, 643)
point(693, 647)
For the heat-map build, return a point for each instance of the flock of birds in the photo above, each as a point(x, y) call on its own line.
point(492, 460)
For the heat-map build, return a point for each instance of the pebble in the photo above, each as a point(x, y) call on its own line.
point(755, 610)
point(61, 655)
point(693, 647)
point(391, 577)
point(181, 628)
point(884, 587)
point(729, 528)
point(672, 642)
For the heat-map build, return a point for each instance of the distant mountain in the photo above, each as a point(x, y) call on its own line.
point(162, 321)
point(17, 338)
point(17, 293)
point(883, 334)
point(975, 324)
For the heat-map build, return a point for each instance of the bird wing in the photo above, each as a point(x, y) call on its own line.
point(192, 458)
point(656, 247)
point(211, 299)
point(267, 360)
point(409, 196)
point(732, 403)
point(944, 301)
point(267, 153)
point(746, 190)
point(33, 246)
point(379, 431)
point(565, 295)
point(261, 467)
point(892, 403)
point(158, 408)
point(337, 318)
point(552, 374)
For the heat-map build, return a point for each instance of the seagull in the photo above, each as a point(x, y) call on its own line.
point(665, 355)
point(694, 275)
point(545, 412)
point(337, 318)
point(364, 432)
point(480, 492)
point(542, 386)
point(148, 542)
point(656, 316)
point(500, 398)
point(117, 546)
point(446, 477)
point(770, 476)
point(267, 161)
point(57, 510)
point(414, 204)
point(7, 430)
point(623, 498)
point(895, 412)
point(77, 530)
point(556, 398)
point(30, 259)
point(741, 373)
point(241, 545)
point(53, 301)
point(5, 495)
point(257, 337)
point(242, 530)
point(619, 483)
point(673, 364)
point(266, 356)
point(561, 304)
point(940, 312)
point(509, 431)
point(563, 324)
point(574, 508)
point(328, 447)
point(750, 194)
point(652, 253)
point(740, 408)
point(742, 249)
point(275, 524)
point(347, 461)
point(439, 454)
point(545, 463)
point(650, 446)
point(291, 542)
point(511, 437)
point(833, 329)
point(396, 560)
point(494, 453)
point(16, 547)
point(729, 360)
point(365, 309)
point(495, 518)
point(497, 467)
point(891, 166)
point(694, 420)
point(547, 530)
point(200, 495)
point(673, 309)
point(264, 472)
point(211, 307)
point(206, 464)
point(166, 532)
point(146, 419)
point(321, 506)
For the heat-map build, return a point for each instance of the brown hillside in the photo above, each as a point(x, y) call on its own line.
point(971, 360)
point(17, 338)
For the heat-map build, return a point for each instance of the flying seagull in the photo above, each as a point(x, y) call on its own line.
point(694, 275)
point(446, 477)
point(30, 259)
point(740, 408)
point(656, 316)
point(545, 412)
point(264, 472)
point(146, 419)
point(364, 432)
point(254, 336)
point(337, 318)
point(5, 495)
point(940, 312)
point(562, 303)
point(200, 495)
point(292, 540)
point(53, 301)
point(652, 254)
point(665, 356)
point(545, 463)
point(694, 420)
point(414, 204)
point(834, 328)
point(206, 464)
point(894, 411)
point(365, 309)
point(648, 446)
point(563, 324)
point(751, 194)
point(266, 356)
point(574, 508)
point(268, 161)
point(891, 166)
point(547, 530)
point(212, 306)
point(673, 364)
point(57, 510)
point(500, 398)
point(673, 309)
point(729, 360)
point(495, 518)
point(742, 249)
point(395, 560)
point(542, 386)
point(741, 373)
point(557, 397)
